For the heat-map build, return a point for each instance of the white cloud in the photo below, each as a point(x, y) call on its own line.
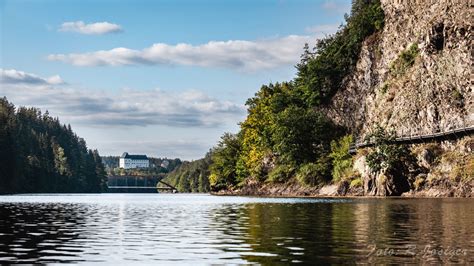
point(324, 29)
point(233, 54)
point(125, 108)
point(98, 28)
point(55, 80)
point(12, 76)
point(338, 6)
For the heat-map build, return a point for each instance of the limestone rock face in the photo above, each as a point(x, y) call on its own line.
point(435, 94)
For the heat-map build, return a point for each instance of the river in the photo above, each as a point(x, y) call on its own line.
point(205, 229)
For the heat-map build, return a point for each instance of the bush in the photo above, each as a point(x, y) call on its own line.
point(419, 182)
point(385, 87)
point(356, 183)
point(313, 174)
point(457, 97)
point(341, 159)
point(386, 155)
point(405, 60)
point(281, 174)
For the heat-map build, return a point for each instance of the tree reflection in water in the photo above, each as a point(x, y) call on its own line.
point(360, 230)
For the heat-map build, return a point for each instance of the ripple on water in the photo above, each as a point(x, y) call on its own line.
point(207, 229)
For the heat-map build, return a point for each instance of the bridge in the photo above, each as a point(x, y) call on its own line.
point(138, 184)
point(416, 139)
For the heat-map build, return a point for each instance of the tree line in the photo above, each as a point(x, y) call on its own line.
point(39, 154)
point(192, 176)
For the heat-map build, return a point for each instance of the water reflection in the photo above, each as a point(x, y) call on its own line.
point(206, 229)
point(361, 231)
point(33, 232)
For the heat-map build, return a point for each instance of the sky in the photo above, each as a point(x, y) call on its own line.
point(161, 78)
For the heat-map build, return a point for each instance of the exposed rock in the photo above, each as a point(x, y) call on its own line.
point(436, 94)
point(329, 190)
point(425, 158)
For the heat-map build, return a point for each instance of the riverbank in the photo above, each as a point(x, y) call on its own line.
point(440, 189)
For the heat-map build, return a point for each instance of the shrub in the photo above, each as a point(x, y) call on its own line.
point(387, 155)
point(341, 159)
point(281, 174)
point(463, 169)
point(385, 87)
point(469, 168)
point(457, 97)
point(405, 60)
point(356, 183)
point(419, 182)
point(313, 174)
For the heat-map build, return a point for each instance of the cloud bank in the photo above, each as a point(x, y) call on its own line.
point(233, 54)
point(127, 107)
point(176, 148)
point(98, 28)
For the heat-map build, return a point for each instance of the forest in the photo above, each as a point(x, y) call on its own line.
point(285, 135)
point(191, 176)
point(39, 155)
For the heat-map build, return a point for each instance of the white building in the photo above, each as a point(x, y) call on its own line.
point(128, 161)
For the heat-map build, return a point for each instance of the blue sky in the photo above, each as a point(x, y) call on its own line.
point(164, 78)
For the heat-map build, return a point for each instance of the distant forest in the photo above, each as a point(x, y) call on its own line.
point(38, 154)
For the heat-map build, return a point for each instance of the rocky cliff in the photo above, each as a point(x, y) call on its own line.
point(414, 78)
point(432, 93)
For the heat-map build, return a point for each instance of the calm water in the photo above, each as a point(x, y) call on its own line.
point(203, 229)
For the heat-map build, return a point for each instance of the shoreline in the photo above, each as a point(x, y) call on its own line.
point(337, 196)
point(294, 190)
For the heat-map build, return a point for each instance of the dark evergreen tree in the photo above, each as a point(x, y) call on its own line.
point(38, 154)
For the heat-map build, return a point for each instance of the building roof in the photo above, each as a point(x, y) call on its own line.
point(134, 157)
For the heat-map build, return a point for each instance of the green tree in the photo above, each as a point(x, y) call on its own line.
point(224, 157)
point(321, 72)
point(60, 159)
point(386, 155)
point(301, 135)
